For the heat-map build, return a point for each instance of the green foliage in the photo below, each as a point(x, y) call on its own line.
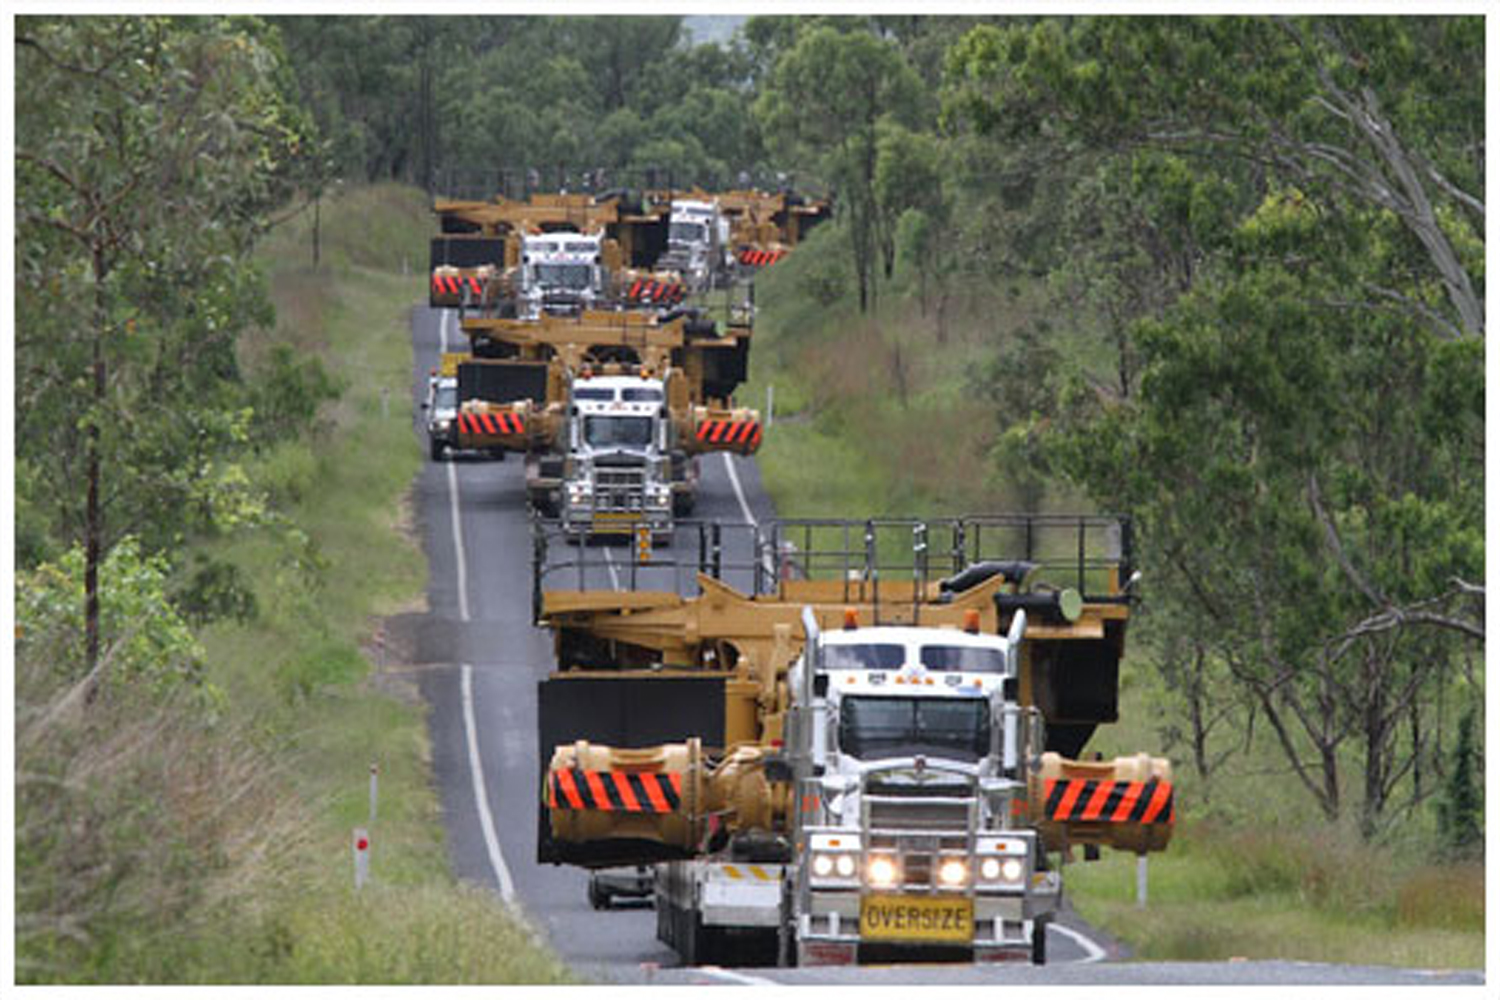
point(147, 642)
point(829, 98)
point(1461, 809)
point(289, 393)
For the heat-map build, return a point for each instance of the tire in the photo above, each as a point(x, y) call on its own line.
point(1039, 942)
point(436, 448)
point(599, 897)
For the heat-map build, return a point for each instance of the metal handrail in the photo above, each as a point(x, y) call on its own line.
point(1069, 550)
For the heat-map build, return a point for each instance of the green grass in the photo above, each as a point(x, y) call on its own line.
point(879, 414)
point(308, 671)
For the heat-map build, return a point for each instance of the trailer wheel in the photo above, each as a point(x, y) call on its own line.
point(599, 897)
point(1039, 942)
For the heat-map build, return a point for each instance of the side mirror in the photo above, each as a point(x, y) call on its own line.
point(424, 404)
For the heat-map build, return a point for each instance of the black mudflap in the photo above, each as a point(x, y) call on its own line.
point(633, 711)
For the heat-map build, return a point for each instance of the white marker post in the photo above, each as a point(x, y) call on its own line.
point(1140, 881)
point(374, 789)
point(361, 857)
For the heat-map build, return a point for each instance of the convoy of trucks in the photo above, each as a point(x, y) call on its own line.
point(793, 746)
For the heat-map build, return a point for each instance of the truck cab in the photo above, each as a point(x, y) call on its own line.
point(914, 786)
point(442, 413)
point(561, 274)
point(697, 234)
point(617, 476)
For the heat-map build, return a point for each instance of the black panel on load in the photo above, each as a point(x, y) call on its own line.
point(725, 368)
point(502, 383)
point(471, 251)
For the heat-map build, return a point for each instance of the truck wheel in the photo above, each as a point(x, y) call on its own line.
point(599, 897)
point(1039, 942)
point(436, 449)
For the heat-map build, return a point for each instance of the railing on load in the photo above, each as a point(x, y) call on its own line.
point(1092, 554)
point(521, 182)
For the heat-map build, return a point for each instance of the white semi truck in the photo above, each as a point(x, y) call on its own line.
point(697, 244)
point(561, 274)
point(617, 473)
point(908, 752)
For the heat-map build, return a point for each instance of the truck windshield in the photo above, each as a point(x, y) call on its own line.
point(864, 656)
point(446, 398)
point(687, 232)
point(975, 659)
point(641, 395)
point(562, 275)
point(603, 432)
point(875, 727)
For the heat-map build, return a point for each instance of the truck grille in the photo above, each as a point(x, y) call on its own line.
point(918, 830)
point(898, 814)
point(619, 489)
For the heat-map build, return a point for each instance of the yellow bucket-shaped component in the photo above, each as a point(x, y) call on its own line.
point(596, 793)
point(662, 795)
point(738, 430)
point(495, 425)
point(1127, 803)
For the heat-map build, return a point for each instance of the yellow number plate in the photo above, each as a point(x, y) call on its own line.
point(916, 918)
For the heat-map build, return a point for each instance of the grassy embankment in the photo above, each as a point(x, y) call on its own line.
point(1253, 871)
point(312, 670)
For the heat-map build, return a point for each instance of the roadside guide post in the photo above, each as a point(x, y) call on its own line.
point(361, 847)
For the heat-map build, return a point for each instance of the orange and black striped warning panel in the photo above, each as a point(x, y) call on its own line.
point(738, 432)
point(1081, 800)
point(615, 791)
point(643, 290)
point(491, 423)
point(445, 284)
point(761, 258)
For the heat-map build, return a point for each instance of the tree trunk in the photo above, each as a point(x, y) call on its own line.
point(93, 523)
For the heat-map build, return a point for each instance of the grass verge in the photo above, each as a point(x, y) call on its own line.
point(310, 670)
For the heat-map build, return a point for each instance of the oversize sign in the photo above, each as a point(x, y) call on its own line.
point(916, 918)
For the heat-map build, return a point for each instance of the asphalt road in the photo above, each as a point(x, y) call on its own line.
point(480, 659)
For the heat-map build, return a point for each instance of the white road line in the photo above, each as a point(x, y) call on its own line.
point(443, 330)
point(737, 978)
point(739, 493)
point(608, 561)
point(486, 820)
point(458, 543)
point(471, 730)
point(1094, 952)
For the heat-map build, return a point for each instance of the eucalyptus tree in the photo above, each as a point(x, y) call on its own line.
point(147, 149)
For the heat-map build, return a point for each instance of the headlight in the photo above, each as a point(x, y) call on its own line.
point(1002, 869)
point(834, 866)
point(953, 872)
point(882, 871)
